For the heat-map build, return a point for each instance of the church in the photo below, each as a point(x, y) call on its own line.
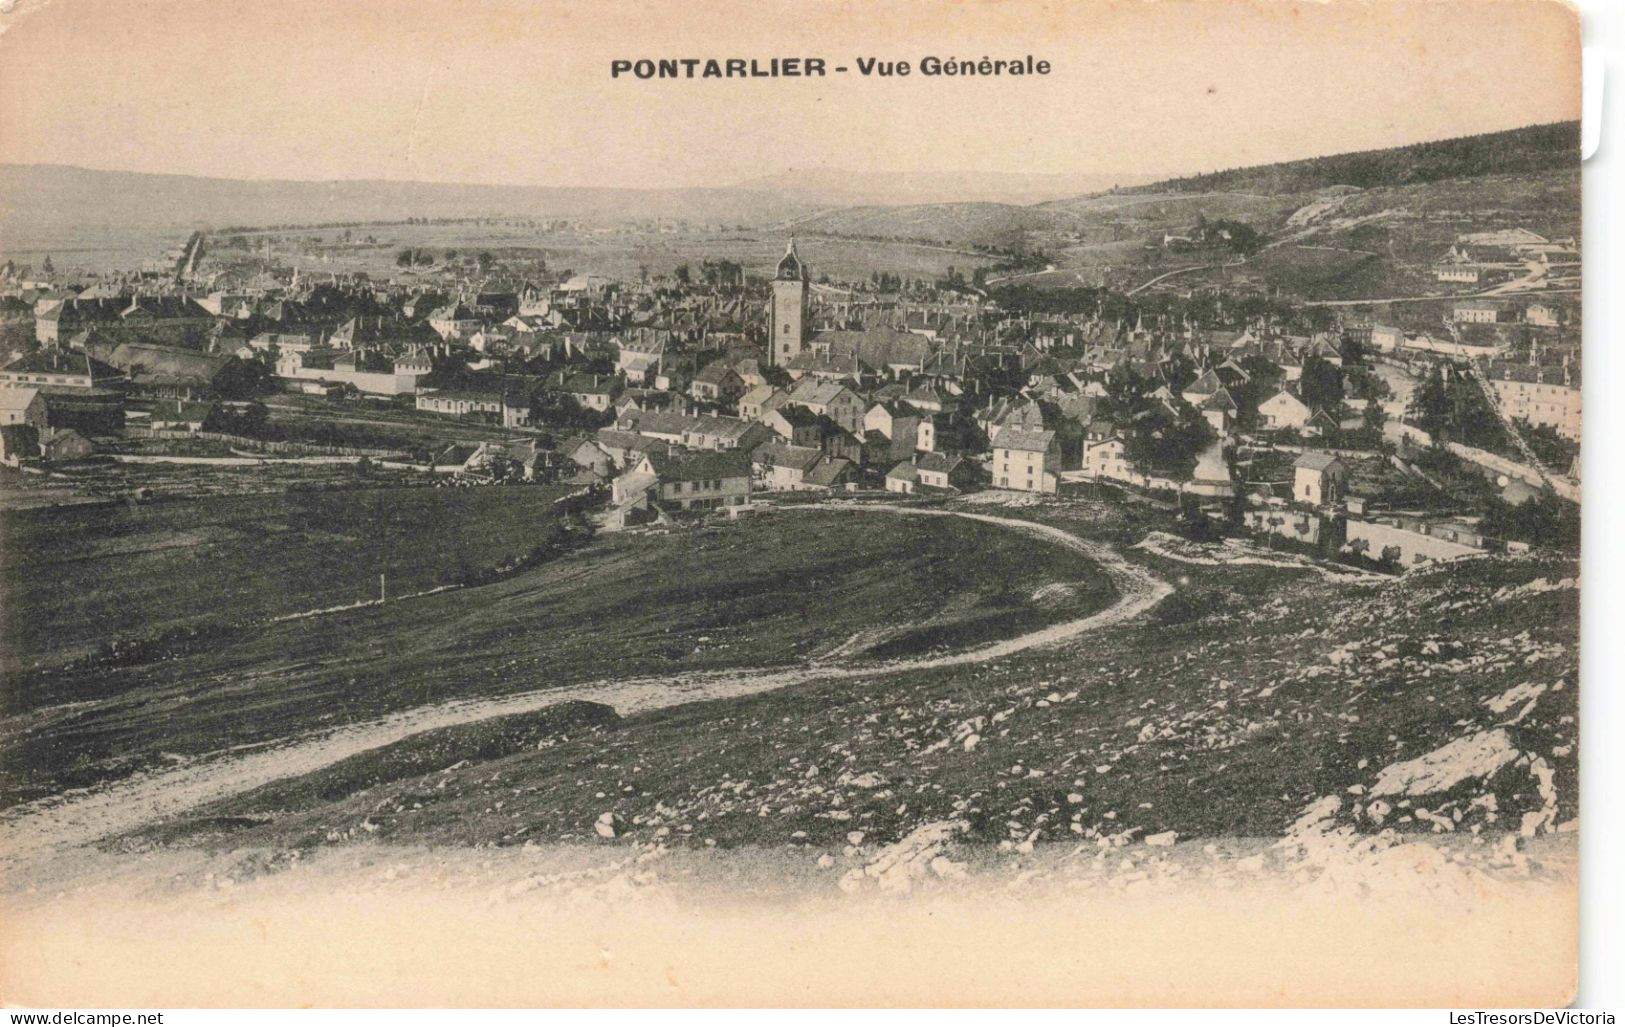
point(794, 345)
point(787, 324)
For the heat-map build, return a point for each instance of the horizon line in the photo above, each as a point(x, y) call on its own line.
point(740, 185)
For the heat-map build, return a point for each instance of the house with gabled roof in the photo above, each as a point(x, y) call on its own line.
point(454, 321)
point(946, 472)
point(717, 382)
point(53, 369)
point(932, 400)
point(783, 466)
point(1028, 460)
point(609, 448)
point(57, 319)
point(904, 478)
point(1321, 423)
point(1284, 410)
point(1319, 478)
point(1020, 412)
point(830, 472)
point(686, 481)
point(797, 425)
point(845, 407)
point(22, 406)
point(1197, 392)
point(1219, 410)
point(896, 420)
point(759, 399)
point(639, 354)
point(883, 349)
point(819, 364)
point(590, 391)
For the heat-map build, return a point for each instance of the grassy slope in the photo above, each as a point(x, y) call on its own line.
point(86, 575)
point(428, 753)
point(960, 224)
point(772, 591)
point(1225, 716)
point(1377, 242)
point(1533, 148)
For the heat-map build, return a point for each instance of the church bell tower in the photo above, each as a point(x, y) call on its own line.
point(787, 320)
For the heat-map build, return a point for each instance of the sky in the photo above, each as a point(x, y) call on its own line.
point(509, 92)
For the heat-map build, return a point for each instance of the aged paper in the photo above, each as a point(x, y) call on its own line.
point(789, 503)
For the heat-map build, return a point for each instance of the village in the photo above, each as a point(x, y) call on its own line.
point(1382, 443)
point(536, 504)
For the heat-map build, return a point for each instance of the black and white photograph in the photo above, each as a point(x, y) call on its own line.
point(790, 504)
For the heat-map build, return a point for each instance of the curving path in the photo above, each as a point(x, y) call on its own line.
point(40, 829)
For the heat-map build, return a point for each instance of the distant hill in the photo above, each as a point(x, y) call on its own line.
point(954, 224)
point(42, 195)
point(36, 197)
point(1263, 195)
point(109, 215)
point(834, 187)
point(1519, 150)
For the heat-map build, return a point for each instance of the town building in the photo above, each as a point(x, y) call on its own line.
point(1027, 460)
point(787, 315)
point(1319, 479)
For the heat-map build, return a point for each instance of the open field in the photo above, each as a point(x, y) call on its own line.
point(376, 424)
point(107, 479)
point(1229, 712)
point(781, 590)
point(78, 577)
point(624, 252)
point(1227, 709)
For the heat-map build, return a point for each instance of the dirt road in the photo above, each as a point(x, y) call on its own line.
point(39, 830)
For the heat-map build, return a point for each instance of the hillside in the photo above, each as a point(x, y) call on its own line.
point(1244, 711)
point(1253, 730)
point(1530, 149)
point(661, 608)
point(848, 188)
point(947, 224)
point(1406, 200)
point(70, 210)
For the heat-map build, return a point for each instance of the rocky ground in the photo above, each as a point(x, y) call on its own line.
point(1252, 727)
point(1246, 704)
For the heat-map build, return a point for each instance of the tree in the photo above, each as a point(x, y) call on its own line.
point(1180, 371)
point(485, 260)
point(1126, 390)
point(1430, 406)
point(722, 274)
point(48, 267)
point(1374, 418)
point(1476, 422)
point(1554, 450)
point(682, 274)
point(560, 409)
point(1544, 521)
point(1158, 439)
point(1322, 383)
